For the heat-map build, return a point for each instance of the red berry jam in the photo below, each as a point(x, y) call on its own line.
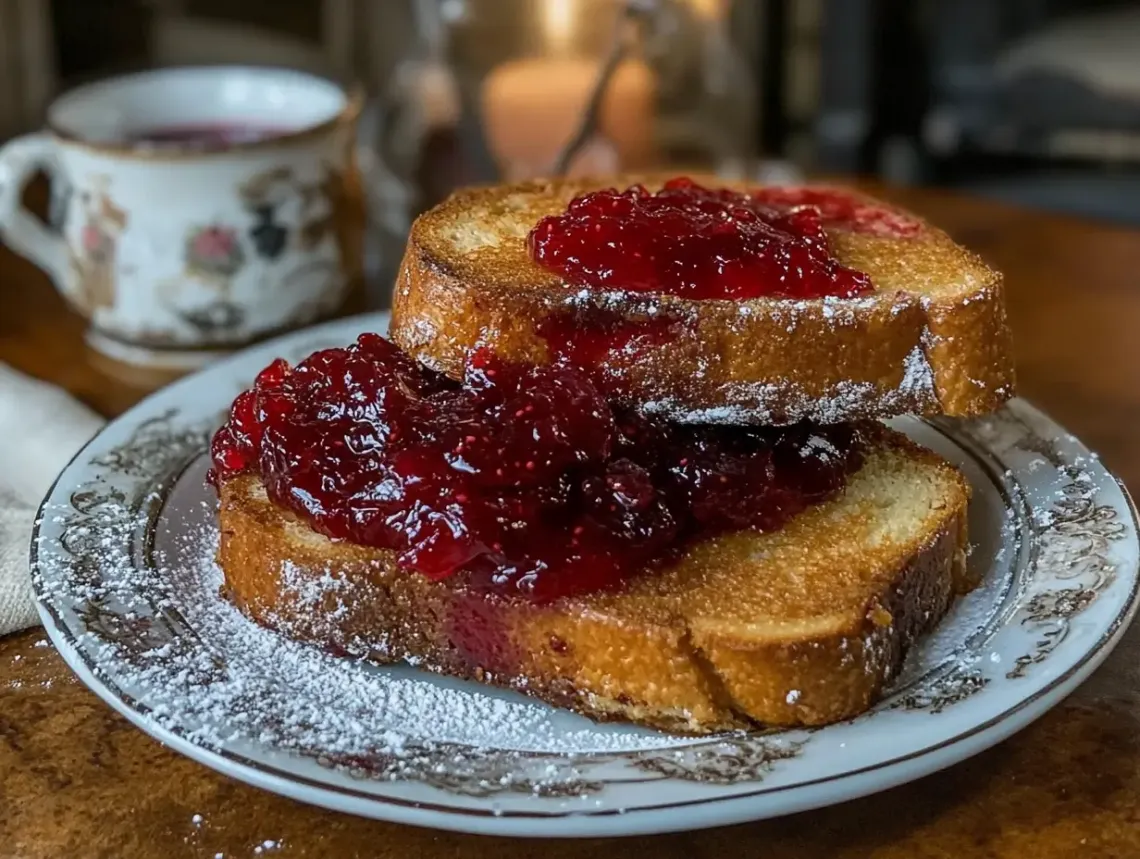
point(841, 210)
point(700, 243)
point(597, 341)
point(521, 480)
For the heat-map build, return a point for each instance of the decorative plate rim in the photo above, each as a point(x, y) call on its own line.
point(262, 773)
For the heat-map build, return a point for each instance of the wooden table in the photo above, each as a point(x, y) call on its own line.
point(78, 780)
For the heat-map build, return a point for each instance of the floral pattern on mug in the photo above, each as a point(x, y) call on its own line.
point(214, 251)
point(94, 259)
point(96, 244)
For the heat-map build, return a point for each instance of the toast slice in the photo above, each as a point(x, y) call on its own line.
point(931, 339)
point(804, 625)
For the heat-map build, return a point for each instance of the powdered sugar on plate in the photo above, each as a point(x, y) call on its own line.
point(211, 674)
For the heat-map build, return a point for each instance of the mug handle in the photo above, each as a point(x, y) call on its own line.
point(20, 160)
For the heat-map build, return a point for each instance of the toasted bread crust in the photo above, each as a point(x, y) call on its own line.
point(932, 339)
point(668, 650)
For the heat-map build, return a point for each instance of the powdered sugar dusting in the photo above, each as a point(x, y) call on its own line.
point(918, 377)
point(210, 674)
point(784, 402)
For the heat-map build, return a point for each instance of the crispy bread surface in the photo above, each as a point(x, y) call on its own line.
point(931, 339)
point(802, 626)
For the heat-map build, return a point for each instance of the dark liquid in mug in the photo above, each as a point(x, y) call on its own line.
point(206, 135)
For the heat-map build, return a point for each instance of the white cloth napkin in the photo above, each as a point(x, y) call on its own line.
point(41, 428)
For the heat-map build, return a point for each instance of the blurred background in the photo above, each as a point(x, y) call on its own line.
point(1036, 102)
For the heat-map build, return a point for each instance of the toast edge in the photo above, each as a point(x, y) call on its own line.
point(689, 682)
point(929, 358)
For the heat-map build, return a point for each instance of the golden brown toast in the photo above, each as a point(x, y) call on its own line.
point(804, 625)
point(931, 339)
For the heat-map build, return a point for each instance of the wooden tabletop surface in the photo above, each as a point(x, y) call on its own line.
point(77, 780)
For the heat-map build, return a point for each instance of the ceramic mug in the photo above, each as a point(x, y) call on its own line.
point(195, 209)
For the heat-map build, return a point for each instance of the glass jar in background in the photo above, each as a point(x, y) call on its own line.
point(706, 55)
point(683, 92)
point(537, 67)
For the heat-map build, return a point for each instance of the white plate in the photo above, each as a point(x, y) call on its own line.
point(129, 595)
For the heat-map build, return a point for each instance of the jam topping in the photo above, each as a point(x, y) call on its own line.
point(840, 209)
point(599, 341)
point(701, 243)
point(520, 480)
